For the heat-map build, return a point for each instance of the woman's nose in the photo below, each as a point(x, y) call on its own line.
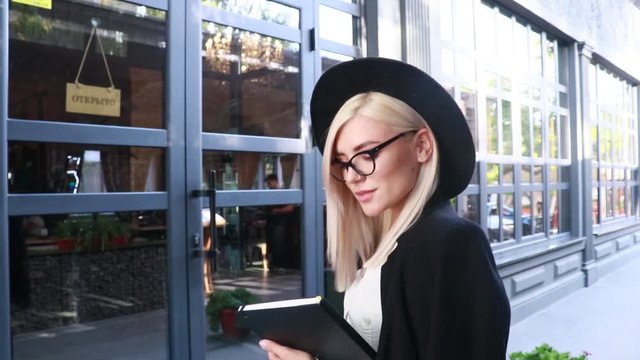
point(352, 175)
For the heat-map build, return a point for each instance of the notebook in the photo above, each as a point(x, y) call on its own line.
point(308, 324)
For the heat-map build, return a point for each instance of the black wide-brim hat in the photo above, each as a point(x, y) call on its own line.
point(415, 88)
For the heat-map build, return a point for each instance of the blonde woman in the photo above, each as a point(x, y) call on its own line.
point(420, 282)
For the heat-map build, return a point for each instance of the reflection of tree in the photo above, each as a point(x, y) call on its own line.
point(259, 9)
point(29, 24)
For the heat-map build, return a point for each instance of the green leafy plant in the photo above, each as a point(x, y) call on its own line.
point(546, 352)
point(226, 299)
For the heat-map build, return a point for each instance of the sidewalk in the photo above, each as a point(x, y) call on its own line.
point(603, 319)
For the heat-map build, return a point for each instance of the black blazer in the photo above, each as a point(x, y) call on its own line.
point(442, 298)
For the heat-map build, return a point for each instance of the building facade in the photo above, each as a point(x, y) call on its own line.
point(158, 150)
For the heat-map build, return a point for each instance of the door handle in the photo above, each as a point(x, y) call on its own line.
point(211, 194)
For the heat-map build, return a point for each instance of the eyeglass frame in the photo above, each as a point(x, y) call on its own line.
point(373, 152)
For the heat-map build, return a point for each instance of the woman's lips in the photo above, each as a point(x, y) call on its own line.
point(364, 195)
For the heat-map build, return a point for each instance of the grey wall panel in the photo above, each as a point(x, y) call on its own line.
point(528, 280)
point(566, 265)
point(255, 198)
point(624, 242)
point(637, 237)
point(604, 250)
point(227, 142)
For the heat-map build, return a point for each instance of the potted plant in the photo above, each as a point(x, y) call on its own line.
point(546, 352)
point(65, 232)
point(119, 233)
point(221, 310)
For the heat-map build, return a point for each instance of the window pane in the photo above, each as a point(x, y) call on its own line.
point(535, 53)
point(446, 25)
point(537, 173)
point(259, 9)
point(468, 99)
point(492, 125)
point(527, 214)
point(329, 59)
point(469, 208)
point(595, 205)
point(553, 136)
point(537, 133)
point(251, 83)
point(525, 125)
point(507, 175)
point(507, 133)
point(71, 168)
point(565, 210)
point(508, 217)
point(526, 174)
point(493, 173)
point(249, 170)
point(463, 23)
point(554, 211)
point(538, 212)
point(89, 272)
point(45, 56)
point(337, 26)
point(551, 72)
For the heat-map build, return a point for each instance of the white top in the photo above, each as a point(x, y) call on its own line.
point(363, 307)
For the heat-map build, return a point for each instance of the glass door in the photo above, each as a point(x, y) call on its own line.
point(249, 130)
point(87, 186)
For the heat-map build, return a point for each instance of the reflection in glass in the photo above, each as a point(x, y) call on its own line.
point(71, 168)
point(493, 173)
point(526, 174)
point(102, 273)
point(337, 26)
point(492, 125)
point(487, 32)
point(551, 71)
point(537, 133)
point(46, 48)
point(507, 133)
point(500, 223)
point(537, 173)
point(258, 249)
point(553, 136)
point(507, 174)
point(251, 83)
point(469, 208)
point(259, 9)
point(554, 209)
point(535, 52)
point(525, 125)
point(468, 99)
point(329, 59)
point(249, 170)
point(595, 205)
point(532, 213)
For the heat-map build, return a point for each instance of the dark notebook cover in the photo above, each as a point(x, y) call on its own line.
point(309, 324)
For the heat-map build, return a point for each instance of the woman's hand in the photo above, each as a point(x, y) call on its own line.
point(280, 352)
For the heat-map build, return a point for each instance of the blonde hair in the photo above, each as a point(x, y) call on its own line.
point(354, 238)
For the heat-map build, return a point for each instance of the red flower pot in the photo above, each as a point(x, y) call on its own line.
point(229, 326)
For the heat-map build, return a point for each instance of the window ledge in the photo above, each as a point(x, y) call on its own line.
point(614, 225)
point(537, 249)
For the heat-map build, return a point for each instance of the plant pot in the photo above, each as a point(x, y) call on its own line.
point(229, 326)
point(119, 241)
point(66, 244)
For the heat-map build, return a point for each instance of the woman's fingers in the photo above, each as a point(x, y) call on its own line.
point(281, 352)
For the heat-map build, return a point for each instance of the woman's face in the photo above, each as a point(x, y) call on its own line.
point(396, 165)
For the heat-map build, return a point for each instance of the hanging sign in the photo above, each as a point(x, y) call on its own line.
point(45, 4)
point(89, 99)
point(93, 100)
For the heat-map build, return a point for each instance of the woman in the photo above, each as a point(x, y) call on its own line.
point(420, 281)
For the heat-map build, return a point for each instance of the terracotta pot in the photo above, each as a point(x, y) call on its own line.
point(229, 326)
point(119, 241)
point(66, 244)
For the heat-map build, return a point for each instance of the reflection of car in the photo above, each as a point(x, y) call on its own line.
point(493, 223)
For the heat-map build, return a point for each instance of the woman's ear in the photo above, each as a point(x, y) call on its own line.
point(424, 145)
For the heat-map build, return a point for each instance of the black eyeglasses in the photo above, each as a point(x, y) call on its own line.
point(364, 162)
